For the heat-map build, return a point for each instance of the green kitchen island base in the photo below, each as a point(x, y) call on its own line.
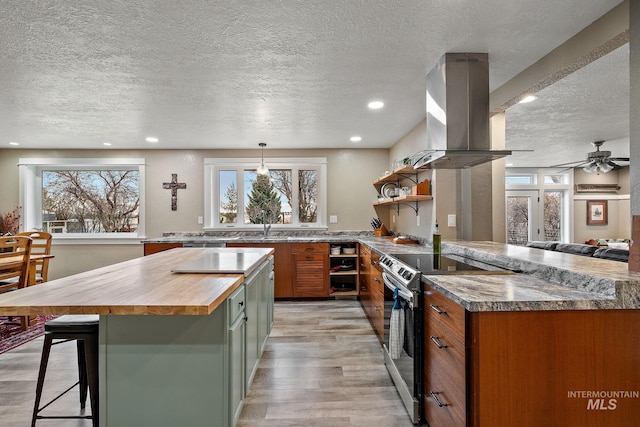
point(164, 370)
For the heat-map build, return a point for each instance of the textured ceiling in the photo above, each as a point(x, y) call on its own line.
point(230, 74)
point(589, 105)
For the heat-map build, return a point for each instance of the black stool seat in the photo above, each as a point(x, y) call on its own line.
point(84, 330)
point(73, 323)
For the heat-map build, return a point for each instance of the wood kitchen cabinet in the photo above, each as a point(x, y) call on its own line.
point(152, 248)
point(283, 284)
point(570, 368)
point(372, 289)
point(364, 259)
point(444, 361)
point(301, 270)
point(310, 269)
point(344, 270)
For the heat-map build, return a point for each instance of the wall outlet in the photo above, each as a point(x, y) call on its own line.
point(333, 219)
point(451, 220)
point(200, 220)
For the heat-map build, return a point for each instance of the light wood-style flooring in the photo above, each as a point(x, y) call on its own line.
point(322, 367)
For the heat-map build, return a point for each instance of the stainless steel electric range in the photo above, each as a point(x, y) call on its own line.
point(403, 337)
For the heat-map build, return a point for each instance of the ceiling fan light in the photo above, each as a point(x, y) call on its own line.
point(605, 167)
point(590, 168)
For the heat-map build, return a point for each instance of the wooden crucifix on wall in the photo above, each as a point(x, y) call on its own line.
point(174, 186)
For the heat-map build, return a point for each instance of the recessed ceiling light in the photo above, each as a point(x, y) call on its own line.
point(356, 138)
point(13, 143)
point(151, 139)
point(108, 144)
point(527, 98)
point(375, 105)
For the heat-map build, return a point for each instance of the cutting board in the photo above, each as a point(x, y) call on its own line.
point(231, 262)
point(401, 241)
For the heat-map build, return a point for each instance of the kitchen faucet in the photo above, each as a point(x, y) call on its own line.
point(265, 224)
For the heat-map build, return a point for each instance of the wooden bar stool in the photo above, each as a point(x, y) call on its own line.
point(84, 330)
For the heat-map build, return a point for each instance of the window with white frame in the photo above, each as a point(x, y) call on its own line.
point(539, 205)
point(291, 195)
point(83, 199)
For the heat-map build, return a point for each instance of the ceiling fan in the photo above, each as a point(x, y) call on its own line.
point(596, 160)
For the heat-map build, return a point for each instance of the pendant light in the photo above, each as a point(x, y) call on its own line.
point(262, 169)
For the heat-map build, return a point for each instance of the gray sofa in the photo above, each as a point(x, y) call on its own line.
point(621, 255)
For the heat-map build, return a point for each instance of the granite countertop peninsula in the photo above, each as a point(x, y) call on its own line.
point(545, 280)
point(548, 280)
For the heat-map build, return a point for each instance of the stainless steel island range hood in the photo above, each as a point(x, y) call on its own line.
point(458, 114)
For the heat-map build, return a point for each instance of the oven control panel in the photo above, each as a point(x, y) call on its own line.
point(400, 271)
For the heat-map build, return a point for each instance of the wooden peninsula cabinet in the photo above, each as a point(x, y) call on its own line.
point(568, 368)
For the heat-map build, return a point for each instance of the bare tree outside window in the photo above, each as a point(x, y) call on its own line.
point(307, 191)
point(308, 194)
point(97, 201)
point(517, 220)
point(552, 215)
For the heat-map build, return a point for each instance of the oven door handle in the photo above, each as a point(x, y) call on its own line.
point(402, 291)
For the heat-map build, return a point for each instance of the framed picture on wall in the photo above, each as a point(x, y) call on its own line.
point(596, 212)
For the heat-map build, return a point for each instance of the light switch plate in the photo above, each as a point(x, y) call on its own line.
point(451, 220)
point(333, 219)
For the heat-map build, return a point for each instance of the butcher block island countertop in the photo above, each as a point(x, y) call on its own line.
point(172, 346)
point(141, 286)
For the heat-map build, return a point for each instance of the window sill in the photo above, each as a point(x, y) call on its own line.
point(59, 239)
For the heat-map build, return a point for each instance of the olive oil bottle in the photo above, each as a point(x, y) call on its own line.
point(436, 239)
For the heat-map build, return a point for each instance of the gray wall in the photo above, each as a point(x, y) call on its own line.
point(351, 174)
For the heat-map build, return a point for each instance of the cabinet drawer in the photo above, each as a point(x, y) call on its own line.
point(376, 285)
point(236, 304)
point(306, 248)
point(441, 308)
point(309, 258)
point(375, 262)
point(444, 354)
point(453, 411)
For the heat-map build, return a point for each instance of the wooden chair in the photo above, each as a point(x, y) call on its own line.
point(14, 266)
point(41, 245)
